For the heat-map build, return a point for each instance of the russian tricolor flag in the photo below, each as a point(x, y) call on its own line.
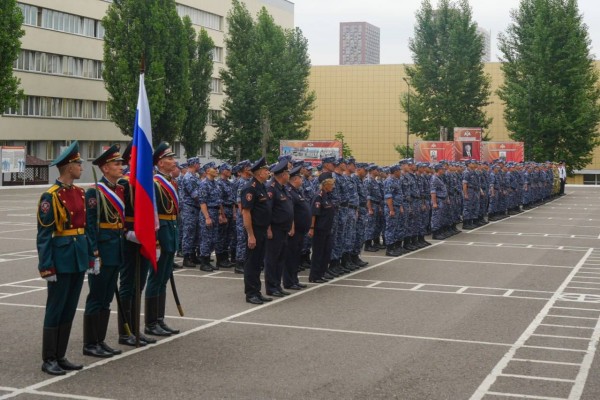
point(142, 178)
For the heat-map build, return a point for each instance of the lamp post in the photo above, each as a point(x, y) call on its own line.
point(407, 113)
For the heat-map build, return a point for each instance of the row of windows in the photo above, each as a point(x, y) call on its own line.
point(215, 86)
point(200, 17)
point(62, 22)
point(217, 54)
point(54, 107)
point(49, 63)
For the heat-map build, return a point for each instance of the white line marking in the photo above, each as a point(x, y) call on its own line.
point(22, 293)
point(393, 335)
point(529, 246)
point(525, 396)
point(374, 284)
point(64, 395)
point(487, 383)
point(508, 293)
point(499, 245)
point(569, 316)
point(417, 287)
point(545, 362)
point(537, 378)
point(560, 337)
point(567, 326)
point(488, 262)
point(528, 346)
point(577, 308)
point(462, 289)
point(561, 247)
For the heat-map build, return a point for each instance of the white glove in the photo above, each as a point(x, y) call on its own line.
point(157, 253)
point(95, 270)
point(130, 235)
point(50, 278)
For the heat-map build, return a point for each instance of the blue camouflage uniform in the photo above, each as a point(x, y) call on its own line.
point(210, 194)
point(227, 230)
point(339, 197)
point(353, 212)
point(439, 218)
point(361, 222)
point(394, 229)
point(190, 208)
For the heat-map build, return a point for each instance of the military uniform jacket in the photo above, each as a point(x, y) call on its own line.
point(227, 194)
point(254, 197)
point(324, 211)
point(373, 190)
point(302, 212)
point(282, 207)
point(189, 190)
point(438, 187)
point(167, 205)
point(393, 190)
point(62, 244)
point(106, 205)
point(409, 187)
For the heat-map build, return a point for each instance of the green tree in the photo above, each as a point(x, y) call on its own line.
point(346, 149)
point(266, 83)
point(551, 85)
point(405, 151)
point(447, 76)
point(11, 19)
point(200, 51)
point(150, 30)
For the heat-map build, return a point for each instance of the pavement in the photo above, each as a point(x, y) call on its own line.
point(509, 310)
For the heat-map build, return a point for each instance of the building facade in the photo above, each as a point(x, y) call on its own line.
point(60, 67)
point(363, 103)
point(359, 43)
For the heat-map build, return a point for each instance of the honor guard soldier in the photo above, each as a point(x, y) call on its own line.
point(393, 210)
point(439, 203)
point(302, 221)
point(64, 256)
point(167, 203)
point(127, 275)
point(321, 228)
point(374, 208)
point(244, 177)
point(256, 214)
point(361, 223)
point(282, 226)
point(105, 230)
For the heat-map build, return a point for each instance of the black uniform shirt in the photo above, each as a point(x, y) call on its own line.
point(254, 198)
point(323, 210)
point(282, 206)
point(302, 215)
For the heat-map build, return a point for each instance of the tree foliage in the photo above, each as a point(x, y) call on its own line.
point(405, 151)
point(447, 76)
point(150, 30)
point(266, 83)
point(200, 52)
point(346, 149)
point(551, 84)
point(11, 19)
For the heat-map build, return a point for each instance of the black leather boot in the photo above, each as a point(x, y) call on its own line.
point(91, 345)
point(223, 262)
point(135, 329)
point(391, 251)
point(357, 260)
point(162, 302)
point(64, 332)
point(188, 262)
point(49, 352)
point(239, 267)
point(151, 318)
point(125, 338)
point(104, 317)
point(436, 236)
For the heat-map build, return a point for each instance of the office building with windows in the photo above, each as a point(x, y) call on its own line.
point(60, 68)
point(359, 43)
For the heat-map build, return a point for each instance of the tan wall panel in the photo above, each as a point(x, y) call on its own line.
point(35, 84)
point(23, 128)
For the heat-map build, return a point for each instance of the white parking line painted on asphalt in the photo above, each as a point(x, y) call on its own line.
point(488, 262)
point(523, 396)
point(538, 378)
point(568, 326)
point(497, 371)
point(526, 360)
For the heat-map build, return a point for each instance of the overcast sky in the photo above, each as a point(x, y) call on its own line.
point(320, 19)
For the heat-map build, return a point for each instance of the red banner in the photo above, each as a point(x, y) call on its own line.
point(467, 150)
point(467, 134)
point(431, 152)
point(311, 150)
point(510, 151)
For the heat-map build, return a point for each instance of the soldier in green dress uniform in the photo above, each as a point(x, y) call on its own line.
point(167, 203)
point(64, 256)
point(105, 223)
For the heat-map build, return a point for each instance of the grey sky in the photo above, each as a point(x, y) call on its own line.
point(320, 19)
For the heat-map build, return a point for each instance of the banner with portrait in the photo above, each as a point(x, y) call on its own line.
point(433, 151)
point(510, 151)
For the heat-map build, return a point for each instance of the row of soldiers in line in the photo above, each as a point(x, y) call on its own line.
point(341, 211)
point(470, 192)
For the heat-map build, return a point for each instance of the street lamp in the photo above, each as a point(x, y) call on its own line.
point(407, 113)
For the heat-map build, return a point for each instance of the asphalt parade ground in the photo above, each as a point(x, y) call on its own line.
point(510, 310)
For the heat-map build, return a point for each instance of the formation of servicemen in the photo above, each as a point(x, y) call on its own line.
point(265, 220)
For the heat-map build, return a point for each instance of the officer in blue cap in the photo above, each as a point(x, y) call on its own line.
point(61, 225)
point(374, 208)
point(211, 214)
point(256, 214)
point(239, 255)
point(393, 211)
point(190, 215)
point(226, 236)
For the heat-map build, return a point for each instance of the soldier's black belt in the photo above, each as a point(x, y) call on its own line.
point(228, 204)
point(441, 198)
point(344, 204)
point(213, 207)
point(375, 202)
point(353, 207)
point(362, 205)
